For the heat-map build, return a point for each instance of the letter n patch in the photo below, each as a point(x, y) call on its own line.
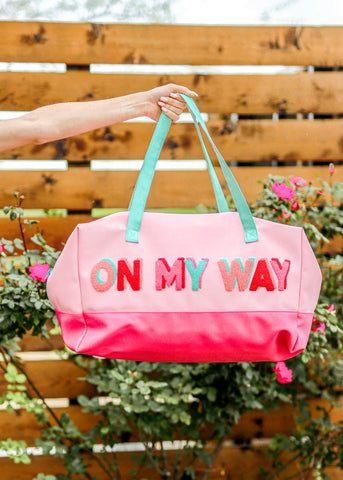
point(127, 274)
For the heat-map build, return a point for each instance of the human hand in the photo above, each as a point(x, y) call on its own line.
point(166, 98)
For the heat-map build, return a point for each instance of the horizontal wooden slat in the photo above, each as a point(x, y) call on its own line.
point(36, 343)
point(32, 343)
point(232, 463)
point(237, 461)
point(174, 44)
point(55, 230)
point(320, 92)
point(20, 425)
point(81, 188)
point(246, 140)
point(55, 378)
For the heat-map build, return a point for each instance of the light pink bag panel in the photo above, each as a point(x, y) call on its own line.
point(211, 236)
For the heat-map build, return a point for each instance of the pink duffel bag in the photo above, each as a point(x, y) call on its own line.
point(219, 287)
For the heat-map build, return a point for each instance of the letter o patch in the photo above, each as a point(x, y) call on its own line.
point(98, 283)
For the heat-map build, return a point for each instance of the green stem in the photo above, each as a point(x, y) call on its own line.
point(101, 464)
point(115, 469)
point(176, 466)
point(48, 424)
point(5, 359)
point(17, 364)
point(164, 457)
point(140, 468)
point(285, 465)
point(189, 464)
point(21, 228)
point(149, 452)
point(213, 457)
point(300, 472)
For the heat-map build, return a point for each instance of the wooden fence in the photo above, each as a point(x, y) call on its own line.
point(283, 123)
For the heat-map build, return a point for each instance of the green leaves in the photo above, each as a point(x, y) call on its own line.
point(14, 211)
point(318, 370)
point(24, 302)
point(15, 450)
point(13, 376)
point(13, 215)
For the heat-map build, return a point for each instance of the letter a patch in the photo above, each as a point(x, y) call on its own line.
point(263, 276)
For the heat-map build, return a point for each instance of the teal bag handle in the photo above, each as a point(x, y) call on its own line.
point(143, 184)
point(248, 222)
point(220, 198)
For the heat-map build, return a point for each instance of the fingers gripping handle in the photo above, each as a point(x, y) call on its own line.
point(142, 188)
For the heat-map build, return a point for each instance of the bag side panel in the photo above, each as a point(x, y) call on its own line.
point(311, 278)
point(63, 288)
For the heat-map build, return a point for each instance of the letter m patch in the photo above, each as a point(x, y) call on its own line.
point(166, 276)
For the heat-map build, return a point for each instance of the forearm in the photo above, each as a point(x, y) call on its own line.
point(62, 120)
point(67, 119)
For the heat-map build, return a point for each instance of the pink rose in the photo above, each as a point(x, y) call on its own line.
point(2, 247)
point(285, 214)
point(331, 307)
point(283, 192)
point(283, 374)
point(295, 206)
point(319, 192)
point(299, 181)
point(317, 325)
point(39, 271)
point(332, 168)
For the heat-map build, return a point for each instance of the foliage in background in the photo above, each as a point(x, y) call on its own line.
point(273, 11)
point(198, 404)
point(148, 11)
point(24, 303)
point(317, 442)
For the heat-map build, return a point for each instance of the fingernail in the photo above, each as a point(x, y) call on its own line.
point(164, 99)
point(162, 104)
point(195, 93)
point(175, 95)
